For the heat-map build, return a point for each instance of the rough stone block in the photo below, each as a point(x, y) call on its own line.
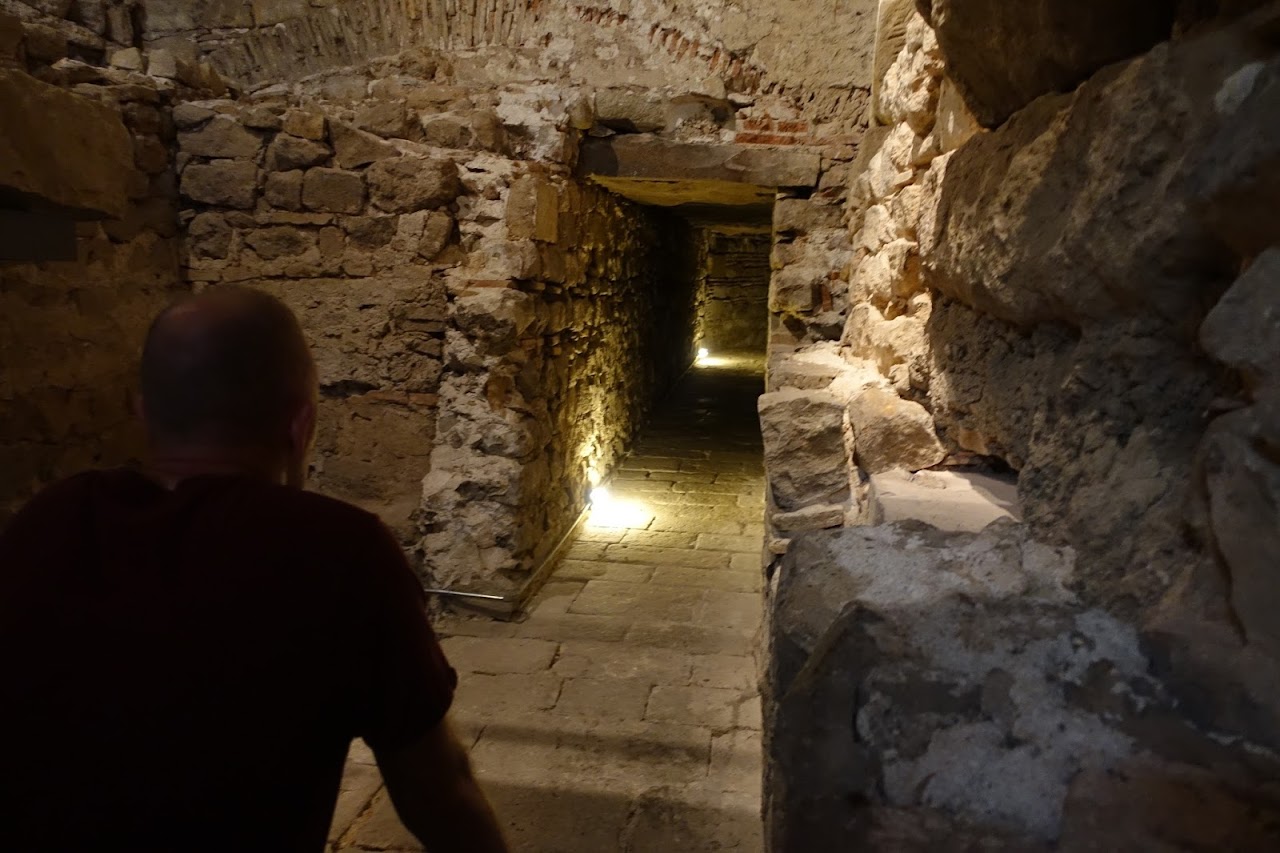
point(225, 183)
point(1243, 329)
point(795, 290)
point(1003, 57)
point(406, 184)
point(387, 119)
point(222, 136)
point(804, 447)
point(70, 150)
point(927, 672)
point(437, 231)
point(890, 432)
point(630, 111)
point(288, 152)
point(308, 124)
point(354, 148)
point(281, 242)
point(284, 190)
point(333, 190)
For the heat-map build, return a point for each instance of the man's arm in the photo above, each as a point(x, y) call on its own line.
point(437, 796)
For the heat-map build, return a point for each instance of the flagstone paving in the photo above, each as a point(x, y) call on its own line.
point(622, 713)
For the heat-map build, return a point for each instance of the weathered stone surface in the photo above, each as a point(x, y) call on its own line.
point(354, 147)
point(796, 290)
point(333, 190)
point(437, 230)
point(1241, 481)
point(209, 236)
point(308, 124)
point(646, 156)
point(1015, 238)
point(272, 243)
point(291, 152)
point(909, 91)
point(1243, 329)
point(222, 136)
point(406, 184)
point(890, 432)
point(954, 673)
point(385, 118)
point(1003, 57)
point(226, 183)
point(71, 152)
point(630, 111)
point(284, 190)
point(804, 445)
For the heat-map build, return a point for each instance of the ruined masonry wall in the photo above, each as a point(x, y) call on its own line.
point(71, 332)
point(735, 279)
point(480, 320)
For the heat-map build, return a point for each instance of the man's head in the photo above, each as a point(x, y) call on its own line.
point(229, 372)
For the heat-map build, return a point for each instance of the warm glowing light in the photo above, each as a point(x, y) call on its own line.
point(703, 352)
point(610, 512)
point(593, 476)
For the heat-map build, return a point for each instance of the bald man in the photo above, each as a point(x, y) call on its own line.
point(186, 652)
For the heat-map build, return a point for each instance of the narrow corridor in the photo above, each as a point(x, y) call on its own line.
point(622, 714)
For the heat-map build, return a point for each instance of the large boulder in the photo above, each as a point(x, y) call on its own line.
point(926, 687)
point(1243, 329)
point(1005, 55)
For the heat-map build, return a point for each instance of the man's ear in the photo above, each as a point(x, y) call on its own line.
point(302, 428)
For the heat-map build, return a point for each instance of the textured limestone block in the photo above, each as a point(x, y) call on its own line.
point(533, 209)
point(1243, 329)
point(1240, 180)
point(890, 168)
point(820, 517)
point(209, 236)
point(952, 679)
point(804, 216)
point(162, 63)
point(354, 148)
point(308, 124)
point(333, 190)
point(630, 111)
point(284, 190)
point(437, 230)
point(226, 183)
point(190, 116)
point(288, 152)
point(129, 59)
point(1003, 56)
point(499, 316)
point(804, 447)
point(406, 184)
point(1242, 486)
point(272, 243)
point(268, 13)
point(71, 152)
point(893, 17)
point(796, 290)
point(385, 118)
point(955, 124)
point(890, 432)
point(909, 90)
point(222, 136)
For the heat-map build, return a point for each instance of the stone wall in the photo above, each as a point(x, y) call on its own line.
point(741, 55)
point(1046, 296)
point(90, 145)
point(734, 316)
point(489, 332)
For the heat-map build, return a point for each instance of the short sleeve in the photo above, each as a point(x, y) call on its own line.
point(405, 685)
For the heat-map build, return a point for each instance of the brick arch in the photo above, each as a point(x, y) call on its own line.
point(358, 30)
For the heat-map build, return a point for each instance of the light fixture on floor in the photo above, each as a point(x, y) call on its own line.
point(703, 353)
point(611, 513)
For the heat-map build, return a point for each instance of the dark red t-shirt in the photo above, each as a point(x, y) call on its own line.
point(185, 670)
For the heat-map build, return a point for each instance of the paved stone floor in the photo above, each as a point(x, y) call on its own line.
point(622, 713)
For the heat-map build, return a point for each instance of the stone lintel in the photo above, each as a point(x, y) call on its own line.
point(646, 156)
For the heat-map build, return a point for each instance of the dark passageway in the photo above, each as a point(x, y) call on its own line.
point(623, 712)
